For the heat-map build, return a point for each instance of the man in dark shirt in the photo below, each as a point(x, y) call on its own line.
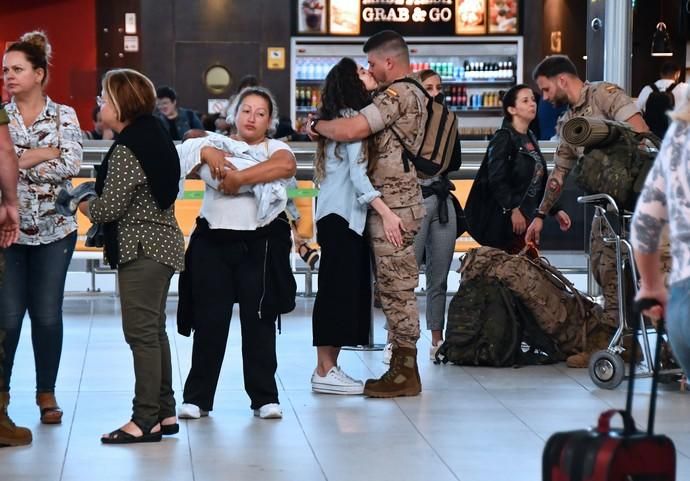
point(175, 119)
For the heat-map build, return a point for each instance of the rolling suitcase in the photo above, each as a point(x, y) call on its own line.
point(606, 454)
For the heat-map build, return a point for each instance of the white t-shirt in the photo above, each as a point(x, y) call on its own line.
point(679, 92)
point(237, 212)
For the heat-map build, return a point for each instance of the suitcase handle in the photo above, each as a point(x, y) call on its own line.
point(639, 306)
point(604, 424)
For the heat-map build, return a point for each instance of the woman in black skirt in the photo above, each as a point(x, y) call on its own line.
point(342, 310)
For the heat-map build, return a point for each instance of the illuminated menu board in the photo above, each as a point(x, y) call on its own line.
point(408, 17)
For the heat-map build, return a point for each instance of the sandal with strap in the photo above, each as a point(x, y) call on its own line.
point(49, 408)
point(309, 256)
point(119, 436)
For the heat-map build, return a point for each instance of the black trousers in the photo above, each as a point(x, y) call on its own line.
point(221, 274)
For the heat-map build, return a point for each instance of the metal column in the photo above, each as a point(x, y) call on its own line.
point(618, 43)
point(596, 15)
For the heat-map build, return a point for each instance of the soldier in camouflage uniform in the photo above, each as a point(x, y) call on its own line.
point(10, 434)
point(398, 106)
point(559, 83)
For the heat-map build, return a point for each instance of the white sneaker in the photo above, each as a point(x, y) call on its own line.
point(269, 411)
point(191, 411)
point(387, 353)
point(336, 382)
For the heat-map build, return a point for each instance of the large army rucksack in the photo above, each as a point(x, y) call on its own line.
point(617, 167)
point(656, 108)
point(562, 312)
point(440, 151)
point(488, 326)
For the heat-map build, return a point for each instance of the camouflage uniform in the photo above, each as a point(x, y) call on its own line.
point(4, 120)
point(607, 101)
point(10, 433)
point(399, 107)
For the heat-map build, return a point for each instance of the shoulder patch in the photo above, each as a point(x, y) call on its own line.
point(611, 88)
point(390, 92)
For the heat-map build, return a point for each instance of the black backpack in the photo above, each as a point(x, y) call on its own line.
point(489, 326)
point(658, 104)
point(440, 151)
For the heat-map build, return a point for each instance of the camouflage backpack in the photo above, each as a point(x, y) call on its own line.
point(561, 311)
point(488, 326)
point(618, 168)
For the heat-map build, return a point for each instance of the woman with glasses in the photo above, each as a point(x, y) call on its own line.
point(137, 185)
point(47, 140)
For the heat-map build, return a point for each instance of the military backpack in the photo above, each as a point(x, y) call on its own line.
point(440, 151)
point(618, 168)
point(489, 326)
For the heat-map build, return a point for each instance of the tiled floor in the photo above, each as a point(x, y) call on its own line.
point(469, 424)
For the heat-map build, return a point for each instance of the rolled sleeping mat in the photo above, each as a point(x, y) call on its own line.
point(590, 132)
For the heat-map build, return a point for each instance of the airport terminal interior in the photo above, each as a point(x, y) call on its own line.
point(469, 423)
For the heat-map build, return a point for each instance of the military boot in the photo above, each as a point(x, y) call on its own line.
point(597, 340)
point(11, 434)
point(401, 379)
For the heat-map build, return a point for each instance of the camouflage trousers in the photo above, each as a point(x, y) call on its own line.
point(397, 275)
point(2, 333)
point(602, 257)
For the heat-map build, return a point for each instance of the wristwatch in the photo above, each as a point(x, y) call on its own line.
point(312, 124)
point(540, 215)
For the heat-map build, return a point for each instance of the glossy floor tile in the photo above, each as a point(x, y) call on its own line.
point(469, 424)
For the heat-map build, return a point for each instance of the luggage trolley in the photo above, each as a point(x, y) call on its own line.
point(606, 367)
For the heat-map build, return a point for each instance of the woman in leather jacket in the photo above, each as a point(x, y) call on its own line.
point(517, 172)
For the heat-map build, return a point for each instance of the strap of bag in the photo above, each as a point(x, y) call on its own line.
point(406, 153)
point(670, 88)
point(653, 87)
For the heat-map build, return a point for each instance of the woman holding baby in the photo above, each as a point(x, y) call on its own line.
point(233, 258)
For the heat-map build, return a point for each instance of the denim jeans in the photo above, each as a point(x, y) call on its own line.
point(34, 280)
point(678, 322)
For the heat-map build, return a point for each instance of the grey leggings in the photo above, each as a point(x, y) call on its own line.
point(434, 246)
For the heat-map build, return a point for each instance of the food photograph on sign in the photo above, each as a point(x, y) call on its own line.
point(470, 17)
point(503, 16)
point(311, 16)
point(344, 17)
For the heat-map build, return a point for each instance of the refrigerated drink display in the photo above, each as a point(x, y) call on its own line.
point(475, 72)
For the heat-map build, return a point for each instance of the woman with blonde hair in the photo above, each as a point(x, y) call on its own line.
point(137, 185)
point(47, 140)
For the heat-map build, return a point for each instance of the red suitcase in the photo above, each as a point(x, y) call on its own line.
point(605, 454)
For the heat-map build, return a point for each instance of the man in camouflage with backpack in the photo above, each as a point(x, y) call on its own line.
point(559, 83)
point(399, 106)
point(10, 434)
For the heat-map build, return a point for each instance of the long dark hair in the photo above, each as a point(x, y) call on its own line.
point(342, 89)
point(510, 98)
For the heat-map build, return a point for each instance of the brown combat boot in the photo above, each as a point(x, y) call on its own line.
point(11, 434)
point(401, 379)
